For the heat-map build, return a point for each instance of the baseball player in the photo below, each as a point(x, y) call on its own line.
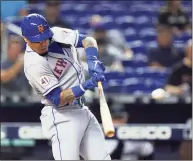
point(53, 69)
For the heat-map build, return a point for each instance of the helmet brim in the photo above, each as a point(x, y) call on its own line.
point(41, 37)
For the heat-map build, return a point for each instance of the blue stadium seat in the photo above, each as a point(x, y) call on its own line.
point(150, 44)
point(137, 46)
point(82, 24)
point(183, 38)
point(108, 18)
point(130, 89)
point(140, 63)
point(114, 75)
point(81, 7)
point(102, 9)
point(67, 6)
point(142, 11)
point(125, 21)
point(130, 34)
point(148, 72)
point(114, 89)
point(110, 25)
point(135, 64)
point(71, 17)
point(143, 20)
point(36, 8)
point(148, 38)
point(133, 85)
point(140, 57)
point(147, 31)
point(82, 30)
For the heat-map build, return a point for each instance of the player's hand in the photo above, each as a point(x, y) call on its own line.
point(93, 81)
point(95, 67)
point(88, 84)
point(99, 77)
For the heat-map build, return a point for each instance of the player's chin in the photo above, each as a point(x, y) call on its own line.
point(43, 51)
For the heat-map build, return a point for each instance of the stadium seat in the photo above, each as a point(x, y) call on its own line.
point(110, 25)
point(183, 38)
point(125, 21)
point(113, 75)
point(148, 72)
point(150, 44)
point(130, 89)
point(130, 34)
point(137, 46)
point(36, 8)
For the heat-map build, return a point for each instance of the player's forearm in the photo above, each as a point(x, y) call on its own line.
point(9, 74)
point(69, 95)
point(62, 97)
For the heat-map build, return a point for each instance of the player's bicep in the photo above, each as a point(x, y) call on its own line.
point(74, 37)
point(41, 79)
point(65, 35)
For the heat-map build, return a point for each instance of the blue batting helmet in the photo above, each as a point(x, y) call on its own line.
point(35, 28)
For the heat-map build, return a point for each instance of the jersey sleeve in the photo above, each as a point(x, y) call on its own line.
point(41, 78)
point(66, 36)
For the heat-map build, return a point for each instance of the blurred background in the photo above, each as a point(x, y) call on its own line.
point(147, 48)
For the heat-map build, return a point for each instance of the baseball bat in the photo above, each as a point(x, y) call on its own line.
point(107, 122)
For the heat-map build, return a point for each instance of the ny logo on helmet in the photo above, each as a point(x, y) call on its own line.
point(41, 28)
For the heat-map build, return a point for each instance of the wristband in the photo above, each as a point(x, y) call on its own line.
point(91, 53)
point(78, 91)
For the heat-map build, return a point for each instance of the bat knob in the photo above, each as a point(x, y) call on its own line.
point(110, 134)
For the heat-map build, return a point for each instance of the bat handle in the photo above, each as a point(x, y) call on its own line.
point(99, 85)
point(100, 88)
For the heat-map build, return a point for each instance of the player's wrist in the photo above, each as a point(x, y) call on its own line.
point(78, 90)
point(91, 53)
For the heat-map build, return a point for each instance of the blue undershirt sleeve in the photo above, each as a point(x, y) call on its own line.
point(54, 96)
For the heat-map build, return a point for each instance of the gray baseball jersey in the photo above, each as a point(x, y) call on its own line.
point(60, 67)
point(73, 130)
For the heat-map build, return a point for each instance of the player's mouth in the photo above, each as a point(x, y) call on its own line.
point(44, 50)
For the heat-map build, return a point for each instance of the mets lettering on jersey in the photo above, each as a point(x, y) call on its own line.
point(59, 67)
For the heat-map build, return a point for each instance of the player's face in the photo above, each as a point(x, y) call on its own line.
point(39, 47)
